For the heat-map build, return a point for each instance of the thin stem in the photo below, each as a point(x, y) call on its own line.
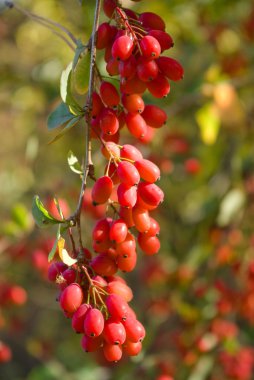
point(88, 167)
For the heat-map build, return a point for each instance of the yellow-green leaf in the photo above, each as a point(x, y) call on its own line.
point(208, 120)
point(81, 74)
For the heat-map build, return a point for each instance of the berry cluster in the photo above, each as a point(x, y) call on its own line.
point(98, 307)
point(90, 292)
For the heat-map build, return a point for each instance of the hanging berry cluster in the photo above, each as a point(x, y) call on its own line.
point(91, 293)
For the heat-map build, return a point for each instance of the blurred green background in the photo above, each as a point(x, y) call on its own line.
point(202, 275)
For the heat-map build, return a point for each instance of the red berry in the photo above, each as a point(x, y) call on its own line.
point(93, 323)
point(104, 265)
point(136, 125)
point(114, 332)
point(102, 190)
point(109, 7)
point(109, 123)
point(132, 86)
point(150, 245)
point(171, 68)
point(133, 103)
point(159, 87)
point(78, 318)
point(128, 173)
point(123, 290)
point(112, 352)
point(122, 48)
point(127, 195)
point(150, 47)
point(148, 171)
point(154, 116)
point(152, 21)
point(118, 231)
point(150, 193)
point(135, 331)
point(109, 94)
point(101, 229)
point(104, 35)
point(71, 298)
point(55, 269)
point(117, 307)
point(147, 70)
point(141, 219)
point(127, 263)
point(130, 152)
point(131, 348)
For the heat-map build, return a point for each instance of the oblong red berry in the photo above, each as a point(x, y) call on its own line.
point(109, 123)
point(171, 68)
point(114, 332)
point(148, 171)
point(118, 231)
point(131, 348)
point(152, 21)
point(101, 229)
point(135, 331)
point(136, 125)
point(132, 86)
point(93, 323)
point(127, 263)
point(147, 70)
point(104, 265)
point(150, 47)
point(159, 87)
point(104, 35)
point(150, 193)
point(109, 94)
point(150, 245)
point(141, 219)
point(122, 48)
point(128, 173)
point(133, 103)
point(123, 290)
point(71, 298)
point(130, 152)
point(117, 307)
point(109, 7)
point(102, 190)
point(154, 116)
point(127, 195)
point(112, 352)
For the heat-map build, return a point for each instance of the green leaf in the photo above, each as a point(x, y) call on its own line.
point(82, 74)
point(66, 91)
point(208, 120)
point(59, 116)
point(54, 248)
point(20, 216)
point(58, 208)
point(67, 127)
point(41, 215)
point(79, 50)
point(74, 163)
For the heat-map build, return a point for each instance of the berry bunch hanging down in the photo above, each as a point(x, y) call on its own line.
point(91, 293)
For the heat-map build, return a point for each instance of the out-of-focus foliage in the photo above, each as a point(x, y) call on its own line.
point(196, 298)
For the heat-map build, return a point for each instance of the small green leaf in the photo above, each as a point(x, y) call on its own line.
point(79, 50)
point(74, 163)
point(66, 91)
point(41, 215)
point(82, 73)
point(59, 116)
point(54, 248)
point(67, 127)
point(20, 216)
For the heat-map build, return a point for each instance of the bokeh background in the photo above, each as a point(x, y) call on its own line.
point(196, 297)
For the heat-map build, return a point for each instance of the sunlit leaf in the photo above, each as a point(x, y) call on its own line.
point(81, 74)
point(63, 254)
point(209, 123)
point(74, 163)
point(59, 116)
point(67, 127)
point(54, 248)
point(41, 215)
point(66, 89)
